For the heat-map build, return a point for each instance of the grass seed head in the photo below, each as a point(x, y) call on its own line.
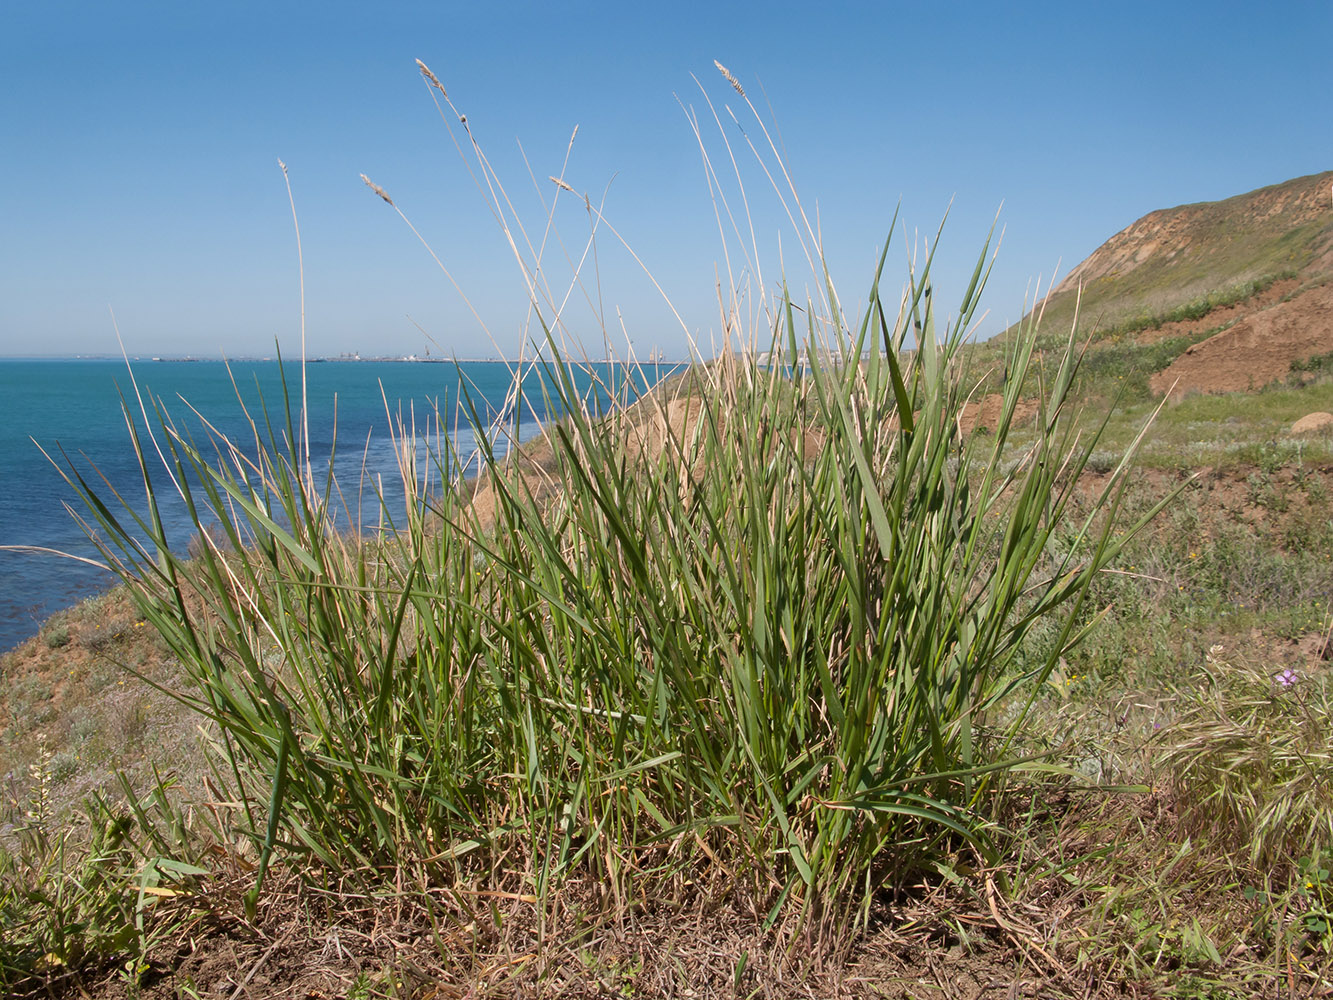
point(432, 78)
point(561, 184)
point(729, 78)
point(377, 189)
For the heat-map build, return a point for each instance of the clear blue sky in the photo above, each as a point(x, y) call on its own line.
point(139, 146)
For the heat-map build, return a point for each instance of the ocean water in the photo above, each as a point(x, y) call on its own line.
point(73, 410)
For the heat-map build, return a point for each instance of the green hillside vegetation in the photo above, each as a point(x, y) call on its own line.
point(1181, 263)
point(1178, 277)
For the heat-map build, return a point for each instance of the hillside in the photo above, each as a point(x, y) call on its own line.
point(1222, 296)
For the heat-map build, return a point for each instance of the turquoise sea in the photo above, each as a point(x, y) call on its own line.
point(72, 409)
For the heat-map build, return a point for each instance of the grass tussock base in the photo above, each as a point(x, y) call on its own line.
point(308, 940)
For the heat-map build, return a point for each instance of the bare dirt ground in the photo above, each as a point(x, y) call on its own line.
point(984, 414)
point(1222, 315)
point(1257, 350)
point(81, 694)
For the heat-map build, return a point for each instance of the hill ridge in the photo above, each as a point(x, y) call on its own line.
point(1278, 213)
point(1213, 296)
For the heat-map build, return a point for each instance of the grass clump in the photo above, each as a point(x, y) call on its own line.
point(80, 891)
point(57, 637)
point(1251, 761)
point(774, 646)
point(1312, 369)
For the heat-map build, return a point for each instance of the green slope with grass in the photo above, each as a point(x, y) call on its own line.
point(1180, 263)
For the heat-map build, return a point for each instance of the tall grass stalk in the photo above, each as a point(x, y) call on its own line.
point(757, 633)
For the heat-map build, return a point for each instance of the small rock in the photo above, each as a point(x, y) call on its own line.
point(1312, 422)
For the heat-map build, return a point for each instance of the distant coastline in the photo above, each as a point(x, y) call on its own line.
point(346, 358)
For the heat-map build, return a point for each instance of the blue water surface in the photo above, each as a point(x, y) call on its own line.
point(73, 410)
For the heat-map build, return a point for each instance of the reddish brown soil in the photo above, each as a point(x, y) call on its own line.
point(1257, 350)
point(1222, 315)
point(985, 413)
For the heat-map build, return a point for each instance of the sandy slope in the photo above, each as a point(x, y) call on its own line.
point(1256, 350)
